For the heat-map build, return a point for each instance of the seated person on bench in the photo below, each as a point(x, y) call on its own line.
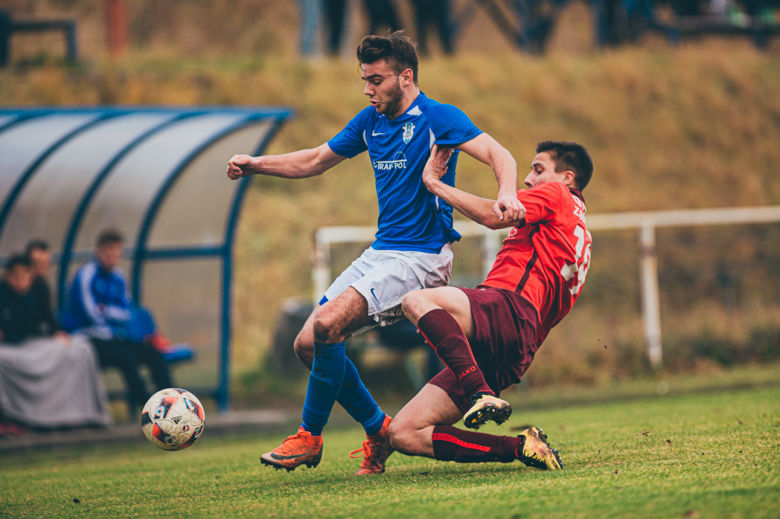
point(38, 254)
point(48, 379)
point(19, 318)
point(99, 306)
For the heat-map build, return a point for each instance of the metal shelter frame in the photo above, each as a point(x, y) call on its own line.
point(140, 252)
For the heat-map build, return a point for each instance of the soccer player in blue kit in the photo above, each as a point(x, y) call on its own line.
point(412, 247)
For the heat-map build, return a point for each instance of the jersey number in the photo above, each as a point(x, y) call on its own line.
point(578, 269)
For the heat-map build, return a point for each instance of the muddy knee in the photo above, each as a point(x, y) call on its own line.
point(328, 326)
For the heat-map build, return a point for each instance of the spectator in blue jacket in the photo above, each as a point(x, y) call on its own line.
point(99, 307)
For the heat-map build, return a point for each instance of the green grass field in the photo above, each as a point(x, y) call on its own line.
point(708, 455)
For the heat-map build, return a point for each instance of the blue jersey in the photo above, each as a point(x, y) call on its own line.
point(410, 217)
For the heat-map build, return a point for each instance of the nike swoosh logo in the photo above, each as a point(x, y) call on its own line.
point(373, 294)
point(277, 457)
point(374, 134)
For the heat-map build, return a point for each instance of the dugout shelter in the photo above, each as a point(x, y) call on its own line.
point(158, 176)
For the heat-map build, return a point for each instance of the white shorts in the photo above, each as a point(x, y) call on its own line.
point(384, 277)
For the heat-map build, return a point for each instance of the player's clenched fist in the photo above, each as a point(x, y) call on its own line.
point(511, 205)
point(240, 166)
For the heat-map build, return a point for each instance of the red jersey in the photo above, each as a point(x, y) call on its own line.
point(547, 259)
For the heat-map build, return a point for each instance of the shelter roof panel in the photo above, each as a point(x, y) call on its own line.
point(6, 119)
point(122, 200)
point(34, 136)
point(45, 206)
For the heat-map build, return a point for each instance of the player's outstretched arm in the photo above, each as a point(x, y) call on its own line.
point(485, 149)
point(473, 207)
point(299, 164)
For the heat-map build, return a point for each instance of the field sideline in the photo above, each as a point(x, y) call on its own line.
point(713, 455)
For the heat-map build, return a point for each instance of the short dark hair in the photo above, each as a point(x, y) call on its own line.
point(569, 156)
point(109, 236)
point(397, 50)
point(15, 260)
point(35, 244)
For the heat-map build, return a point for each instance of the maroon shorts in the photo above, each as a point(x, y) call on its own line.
point(504, 344)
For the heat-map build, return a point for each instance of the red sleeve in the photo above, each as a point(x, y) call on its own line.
point(542, 201)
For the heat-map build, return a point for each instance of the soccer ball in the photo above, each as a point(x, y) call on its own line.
point(173, 419)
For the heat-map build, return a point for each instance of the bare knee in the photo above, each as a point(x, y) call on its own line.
point(328, 326)
point(413, 304)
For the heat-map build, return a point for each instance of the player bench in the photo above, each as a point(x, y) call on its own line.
point(9, 26)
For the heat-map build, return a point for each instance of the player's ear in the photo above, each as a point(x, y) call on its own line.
point(568, 179)
point(406, 77)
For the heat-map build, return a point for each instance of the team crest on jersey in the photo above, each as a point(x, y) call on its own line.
point(408, 132)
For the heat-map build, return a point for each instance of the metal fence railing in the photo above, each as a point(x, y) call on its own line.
point(645, 222)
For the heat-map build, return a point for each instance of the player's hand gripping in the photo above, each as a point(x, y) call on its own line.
point(508, 204)
point(241, 166)
point(436, 167)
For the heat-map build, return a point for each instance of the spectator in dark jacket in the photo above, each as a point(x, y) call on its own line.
point(99, 307)
point(38, 254)
point(17, 307)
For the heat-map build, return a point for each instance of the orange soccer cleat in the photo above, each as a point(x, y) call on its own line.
point(300, 449)
point(375, 451)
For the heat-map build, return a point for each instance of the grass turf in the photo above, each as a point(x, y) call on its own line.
point(712, 455)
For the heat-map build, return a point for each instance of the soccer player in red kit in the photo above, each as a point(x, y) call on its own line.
point(487, 337)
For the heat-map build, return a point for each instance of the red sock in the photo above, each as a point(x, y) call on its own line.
point(443, 332)
point(451, 444)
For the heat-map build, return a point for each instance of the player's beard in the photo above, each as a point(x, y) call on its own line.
point(394, 99)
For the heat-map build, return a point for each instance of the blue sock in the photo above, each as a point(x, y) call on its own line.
point(327, 374)
point(358, 402)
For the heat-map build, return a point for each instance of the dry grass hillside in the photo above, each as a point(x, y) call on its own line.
point(268, 27)
point(692, 127)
